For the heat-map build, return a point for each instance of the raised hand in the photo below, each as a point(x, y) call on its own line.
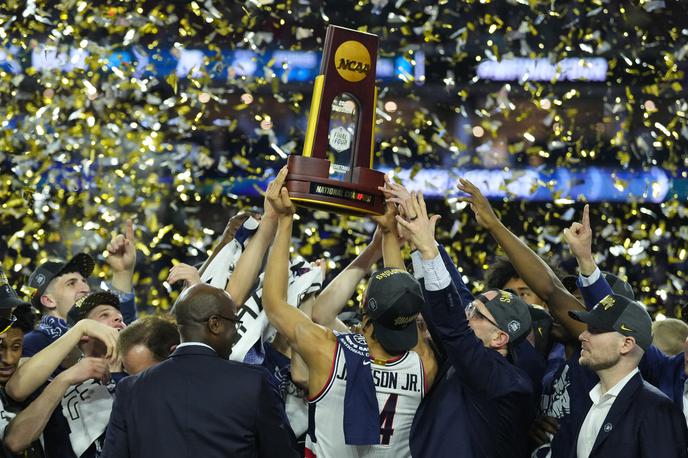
point(184, 272)
point(484, 214)
point(396, 194)
point(86, 369)
point(387, 222)
point(278, 196)
point(420, 227)
point(106, 334)
point(579, 238)
point(542, 429)
point(233, 225)
point(122, 250)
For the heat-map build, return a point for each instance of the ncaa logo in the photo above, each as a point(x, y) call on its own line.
point(607, 427)
point(40, 279)
point(513, 326)
point(372, 304)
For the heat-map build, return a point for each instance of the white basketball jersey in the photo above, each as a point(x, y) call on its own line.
point(399, 386)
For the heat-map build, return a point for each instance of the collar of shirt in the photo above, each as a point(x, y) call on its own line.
point(596, 393)
point(188, 344)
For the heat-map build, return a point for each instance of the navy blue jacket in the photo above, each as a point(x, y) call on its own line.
point(642, 422)
point(197, 404)
point(481, 404)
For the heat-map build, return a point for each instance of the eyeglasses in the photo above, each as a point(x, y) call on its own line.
point(6, 324)
point(217, 315)
point(473, 312)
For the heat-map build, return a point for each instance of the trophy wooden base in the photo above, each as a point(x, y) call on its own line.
point(309, 185)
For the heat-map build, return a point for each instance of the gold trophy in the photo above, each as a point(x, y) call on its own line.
point(335, 173)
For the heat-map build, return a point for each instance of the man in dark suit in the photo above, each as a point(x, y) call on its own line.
point(197, 402)
point(626, 416)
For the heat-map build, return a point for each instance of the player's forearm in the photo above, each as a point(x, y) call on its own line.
point(333, 298)
point(28, 425)
point(277, 272)
point(123, 280)
point(530, 267)
point(36, 370)
point(391, 251)
point(247, 269)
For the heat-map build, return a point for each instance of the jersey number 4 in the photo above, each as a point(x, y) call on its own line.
point(387, 419)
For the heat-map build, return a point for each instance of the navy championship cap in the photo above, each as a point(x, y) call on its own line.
point(49, 270)
point(393, 300)
point(621, 314)
point(85, 304)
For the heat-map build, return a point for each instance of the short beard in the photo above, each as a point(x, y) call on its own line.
point(599, 365)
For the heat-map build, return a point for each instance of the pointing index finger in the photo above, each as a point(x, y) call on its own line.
point(130, 230)
point(586, 216)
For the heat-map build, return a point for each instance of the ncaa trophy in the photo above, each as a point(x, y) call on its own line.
point(335, 173)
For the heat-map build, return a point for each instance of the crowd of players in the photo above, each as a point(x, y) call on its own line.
point(255, 360)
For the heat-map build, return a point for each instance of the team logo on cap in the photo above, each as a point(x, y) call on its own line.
point(404, 319)
point(608, 302)
point(513, 326)
point(79, 302)
point(505, 297)
point(372, 304)
point(40, 279)
point(3, 279)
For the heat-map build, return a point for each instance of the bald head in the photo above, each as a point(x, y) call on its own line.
point(207, 315)
point(198, 302)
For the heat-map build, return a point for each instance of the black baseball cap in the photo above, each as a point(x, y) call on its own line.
point(393, 300)
point(85, 304)
point(621, 314)
point(8, 297)
point(49, 270)
point(511, 313)
point(619, 286)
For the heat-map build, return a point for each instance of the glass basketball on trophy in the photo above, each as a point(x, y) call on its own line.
point(335, 172)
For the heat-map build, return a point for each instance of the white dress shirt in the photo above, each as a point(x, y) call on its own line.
point(592, 278)
point(601, 403)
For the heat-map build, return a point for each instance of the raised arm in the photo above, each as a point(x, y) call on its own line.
point(28, 425)
point(530, 267)
point(233, 225)
point(122, 258)
point(37, 369)
point(250, 262)
point(313, 342)
point(332, 299)
point(391, 240)
point(579, 238)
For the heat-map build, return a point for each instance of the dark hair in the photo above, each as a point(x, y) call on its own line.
point(26, 318)
point(156, 333)
point(499, 274)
